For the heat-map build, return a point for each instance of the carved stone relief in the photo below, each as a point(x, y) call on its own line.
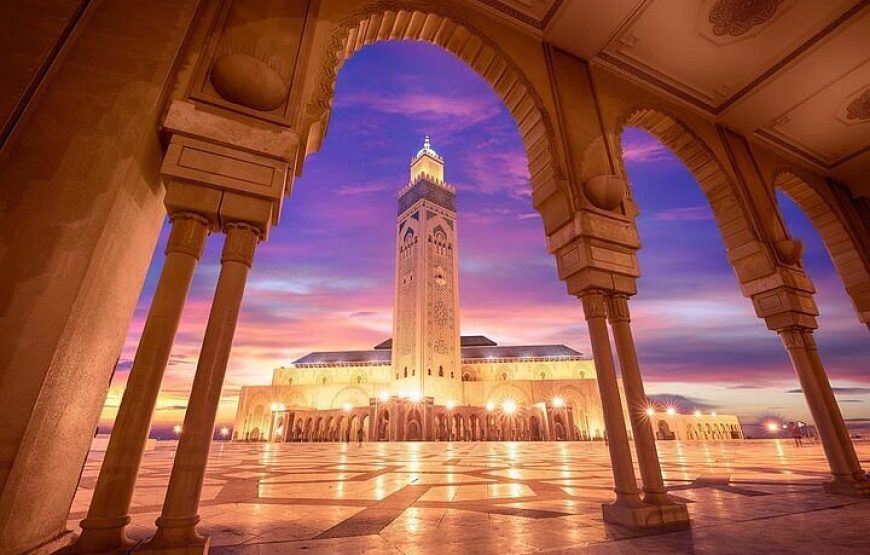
point(737, 17)
point(859, 109)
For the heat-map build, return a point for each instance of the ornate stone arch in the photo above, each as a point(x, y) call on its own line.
point(509, 391)
point(850, 258)
point(436, 23)
point(739, 232)
point(356, 396)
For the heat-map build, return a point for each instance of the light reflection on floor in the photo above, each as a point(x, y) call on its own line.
point(497, 498)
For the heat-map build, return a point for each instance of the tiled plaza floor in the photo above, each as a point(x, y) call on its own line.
point(443, 498)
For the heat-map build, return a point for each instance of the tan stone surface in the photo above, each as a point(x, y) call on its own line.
point(748, 497)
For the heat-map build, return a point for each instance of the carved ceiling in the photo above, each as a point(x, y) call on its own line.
point(793, 73)
point(531, 13)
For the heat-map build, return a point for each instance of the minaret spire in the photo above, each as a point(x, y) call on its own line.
point(427, 162)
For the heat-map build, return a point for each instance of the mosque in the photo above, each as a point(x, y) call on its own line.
point(428, 382)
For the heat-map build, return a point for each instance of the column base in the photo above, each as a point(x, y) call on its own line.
point(103, 536)
point(645, 515)
point(854, 488)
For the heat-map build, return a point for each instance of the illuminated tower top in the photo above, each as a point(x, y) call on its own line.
point(427, 162)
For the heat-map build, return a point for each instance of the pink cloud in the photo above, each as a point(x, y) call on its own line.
point(690, 213)
point(646, 149)
point(448, 113)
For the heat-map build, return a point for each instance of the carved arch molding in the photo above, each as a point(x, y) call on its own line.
point(435, 23)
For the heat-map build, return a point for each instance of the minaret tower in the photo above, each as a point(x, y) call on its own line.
point(426, 319)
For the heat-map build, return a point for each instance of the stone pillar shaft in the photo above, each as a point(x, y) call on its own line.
point(103, 529)
point(177, 523)
point(644, 441)
point(851, 458)
point(795, 344)
point(620, 453)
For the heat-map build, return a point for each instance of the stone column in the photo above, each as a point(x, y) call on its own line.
point(794, 340)
point(625, 484)
point(176, 527)
point(103, 529)
point(644, 442)
point(861, 486)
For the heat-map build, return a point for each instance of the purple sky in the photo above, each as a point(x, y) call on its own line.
point(324, 280)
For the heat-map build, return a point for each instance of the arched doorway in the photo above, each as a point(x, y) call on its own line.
point(534, 429)
point(383, 426)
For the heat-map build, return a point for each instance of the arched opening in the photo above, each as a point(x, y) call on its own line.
point(800, 203)
point(383, 426)
point(534, 429)
point(695, 235)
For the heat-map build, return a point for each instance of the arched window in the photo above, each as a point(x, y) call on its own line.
point(413, 371)
point(406, 371)
point(440, 371)
point(503, 376)
point(290, 381)
point(397, 375)
point(323, 380)
point(429, 371)
point(466, 377)
point(359, 379)
point(451, 373)
point(543, 375)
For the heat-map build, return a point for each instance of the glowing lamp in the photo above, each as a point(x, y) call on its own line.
point(772, 427)
point(650, 411)
point(490, 406)
point(697, 413)
point(384, 396)
point(509, 406)
point(177, 429)
point(225, 431)
point(671, 411)
point(346, 407)
point(450, 405)
point(558, 402)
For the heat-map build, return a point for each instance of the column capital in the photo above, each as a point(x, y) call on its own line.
point(188, 234)
point(617, 308)
point(593, 303)
point(240, 243)
point(797, 337)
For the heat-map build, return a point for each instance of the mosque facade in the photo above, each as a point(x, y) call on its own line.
point(428, 382)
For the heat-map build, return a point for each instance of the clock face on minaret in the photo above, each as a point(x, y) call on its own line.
point(425, 349)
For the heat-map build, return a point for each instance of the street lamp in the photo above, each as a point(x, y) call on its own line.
point(490, 406)
point(177, 429)
point(671, 411)
point(509, 406)
point(650, 411)
point(697, 413)
point(558, 402)
point(772, 427)
point(450, 405)
point(225, 432)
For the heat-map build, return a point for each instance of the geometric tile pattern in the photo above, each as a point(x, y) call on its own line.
point(488, 497)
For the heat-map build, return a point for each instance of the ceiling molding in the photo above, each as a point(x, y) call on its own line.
point(659, 83)
point(809, 43)
point(794, 149)
point(522, 17)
